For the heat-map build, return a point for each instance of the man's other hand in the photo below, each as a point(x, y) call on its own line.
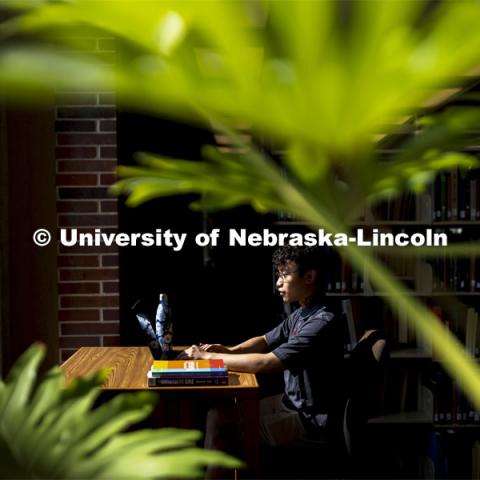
point(194, 352)
point(214, 348)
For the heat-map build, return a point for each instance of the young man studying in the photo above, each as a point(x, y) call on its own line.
point(306, 346)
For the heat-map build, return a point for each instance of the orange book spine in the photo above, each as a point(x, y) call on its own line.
point(187, 364)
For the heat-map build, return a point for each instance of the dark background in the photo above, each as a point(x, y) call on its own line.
point(221, 294)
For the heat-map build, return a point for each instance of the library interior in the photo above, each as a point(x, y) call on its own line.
point(218, 339)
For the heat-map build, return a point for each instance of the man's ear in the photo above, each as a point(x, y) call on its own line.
point(310, 277)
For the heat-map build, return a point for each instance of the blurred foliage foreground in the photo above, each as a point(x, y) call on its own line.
point(50, 431)
point(320, 80)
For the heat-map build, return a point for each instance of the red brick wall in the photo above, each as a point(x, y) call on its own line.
point(86, 159)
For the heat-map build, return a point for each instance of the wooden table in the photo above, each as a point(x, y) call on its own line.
point(128, 372)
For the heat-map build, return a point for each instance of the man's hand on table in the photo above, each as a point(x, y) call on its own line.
point(214, 348)
point(203, 351)
point(196, 353)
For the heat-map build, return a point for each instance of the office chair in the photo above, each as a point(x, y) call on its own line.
point(343, 455)
point(365, 374)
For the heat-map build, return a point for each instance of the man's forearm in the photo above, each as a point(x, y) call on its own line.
point(249, 362)
point(252, 345)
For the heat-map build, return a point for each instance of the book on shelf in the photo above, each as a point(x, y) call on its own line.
point(192, 380)
point(451, 455)
point(351, 337)
point(423, 277)
point(453, 194)
point(404, 337)
point(474, 204)
point(476, 459)
point(471, 333)
point(342, 278)
point(456, 196)
point(423, 208)
point(464, 325)
point(455, 274)
point(434, 462)
point(462, 321)
point(446, 401)
point(396, 209)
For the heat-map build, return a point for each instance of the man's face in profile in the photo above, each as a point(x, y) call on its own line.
point(290, 284)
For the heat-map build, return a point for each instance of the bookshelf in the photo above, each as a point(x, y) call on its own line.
point(419, 400)
point(426, 402)
point(413, 417)
point(451, 204)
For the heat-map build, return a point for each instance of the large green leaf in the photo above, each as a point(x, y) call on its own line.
point(48, 430)
point(317, 79)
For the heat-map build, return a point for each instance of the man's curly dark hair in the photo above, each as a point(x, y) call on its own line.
point(307, 258)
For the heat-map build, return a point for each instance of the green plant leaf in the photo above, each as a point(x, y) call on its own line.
point(188, 462)
point(320, 79)
point(49, 431)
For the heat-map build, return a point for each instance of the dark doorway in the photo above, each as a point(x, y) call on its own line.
point(222, 295)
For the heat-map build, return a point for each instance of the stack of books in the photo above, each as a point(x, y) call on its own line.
point(187, 372)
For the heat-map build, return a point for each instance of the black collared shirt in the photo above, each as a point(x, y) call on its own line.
point(308, 344)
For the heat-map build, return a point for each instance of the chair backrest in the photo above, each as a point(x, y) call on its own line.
point(365, 373)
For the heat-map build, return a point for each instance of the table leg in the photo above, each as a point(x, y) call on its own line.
point(160, 413)
point(186, 413)
point(250, 435)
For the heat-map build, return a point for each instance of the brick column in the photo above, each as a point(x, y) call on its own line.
point(86, 161)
